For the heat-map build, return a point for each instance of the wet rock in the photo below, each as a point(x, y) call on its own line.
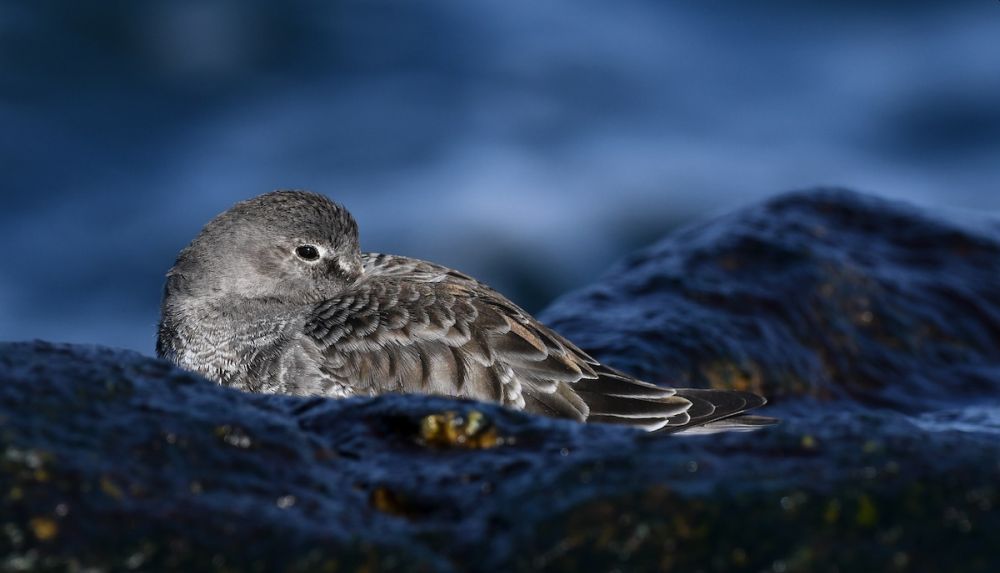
point(873, 326)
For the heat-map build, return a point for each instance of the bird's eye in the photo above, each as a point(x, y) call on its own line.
point(307, 252)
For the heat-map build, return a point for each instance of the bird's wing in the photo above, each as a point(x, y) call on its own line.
point(382, 265)
point(412, 326)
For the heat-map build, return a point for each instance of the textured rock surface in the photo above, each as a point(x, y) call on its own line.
point(824, 294)
point(876, 329)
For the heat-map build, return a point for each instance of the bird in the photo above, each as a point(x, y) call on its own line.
point(274, 295)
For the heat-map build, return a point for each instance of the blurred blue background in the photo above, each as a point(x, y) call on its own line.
point(528, 143)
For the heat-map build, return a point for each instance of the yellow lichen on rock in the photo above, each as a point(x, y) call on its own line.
point(44, 528)
point(110, 488)
point(388, 501)
point(726, 375)
point(452, 429)
point(867, 514)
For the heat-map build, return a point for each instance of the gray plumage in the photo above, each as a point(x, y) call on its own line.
point(250, 305)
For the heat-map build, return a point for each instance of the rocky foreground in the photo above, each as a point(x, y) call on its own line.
point(874, 328)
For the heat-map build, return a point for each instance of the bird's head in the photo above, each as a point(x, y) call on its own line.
point(296, 246)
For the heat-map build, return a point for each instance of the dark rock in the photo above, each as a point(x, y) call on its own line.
point(875, 328)
point(830, 294)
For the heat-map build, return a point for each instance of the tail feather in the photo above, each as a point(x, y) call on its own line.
point(733, 424)
point(726, 407)
point(688, 410)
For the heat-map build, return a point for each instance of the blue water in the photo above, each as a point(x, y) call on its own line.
point(528, 143)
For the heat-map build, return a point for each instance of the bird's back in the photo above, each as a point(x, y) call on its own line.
point(416, 327)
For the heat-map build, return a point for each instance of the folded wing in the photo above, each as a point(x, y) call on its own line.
point(411, 326)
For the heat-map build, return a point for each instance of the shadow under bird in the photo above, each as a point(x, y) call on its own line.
point(275, 295)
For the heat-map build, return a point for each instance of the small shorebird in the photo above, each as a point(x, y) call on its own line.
point(275, 295)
